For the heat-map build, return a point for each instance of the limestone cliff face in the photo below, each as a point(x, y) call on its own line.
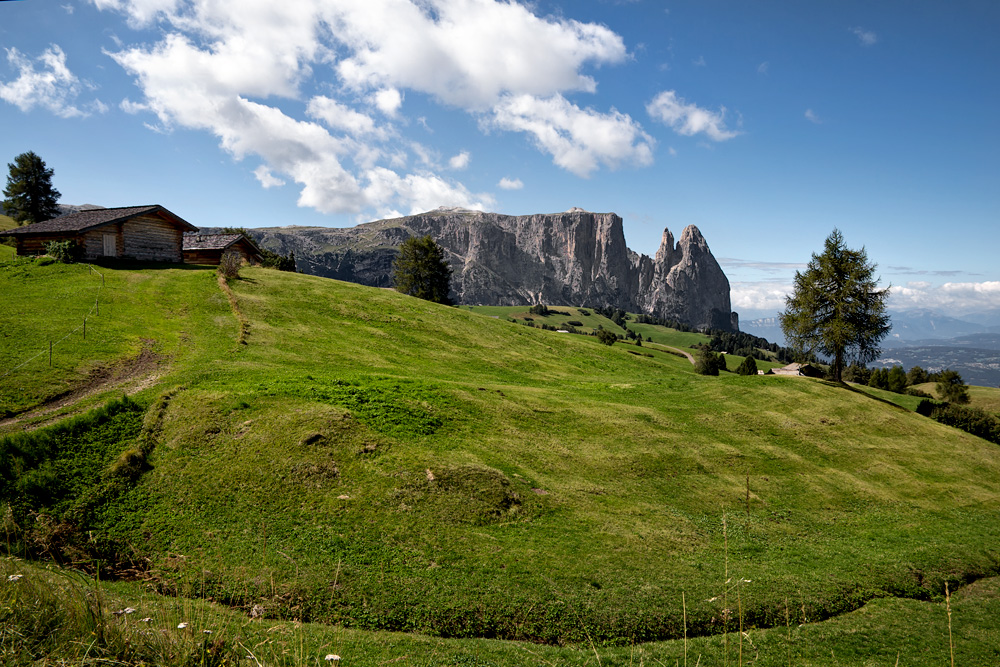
point(571, 258)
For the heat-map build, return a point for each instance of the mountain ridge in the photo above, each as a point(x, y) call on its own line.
point(574, 257)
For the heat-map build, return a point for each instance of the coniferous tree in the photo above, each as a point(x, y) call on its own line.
point(420, 270)
point(951, 387)
point(836, 307)
point(748, 367)
point(29, 196)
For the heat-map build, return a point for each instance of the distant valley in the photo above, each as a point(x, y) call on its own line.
point(929, 340)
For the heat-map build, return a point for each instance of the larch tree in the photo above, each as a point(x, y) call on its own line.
point(837, 307)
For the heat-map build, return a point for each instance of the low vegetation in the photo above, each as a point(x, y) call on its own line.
point(369, 463)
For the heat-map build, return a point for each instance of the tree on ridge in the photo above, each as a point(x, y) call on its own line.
point(421, 270)
point(836, 307)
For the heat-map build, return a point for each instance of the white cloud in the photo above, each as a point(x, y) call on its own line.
point(52, 87)
point(866, 37)
point(338, 116)
point(460, 161)
point(510, 183)
point(229, 68)
point(764, 295)
point(388, 101)
point(266, 178)
point(689, 119)
point(812, 117)
point(950, 298)
point(763, 67)
point(467, 53)
point(579, 140)
point(700, 62)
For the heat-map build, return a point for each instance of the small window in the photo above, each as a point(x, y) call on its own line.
point(109, 245)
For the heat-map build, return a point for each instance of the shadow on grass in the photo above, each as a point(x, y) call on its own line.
point(856, 390)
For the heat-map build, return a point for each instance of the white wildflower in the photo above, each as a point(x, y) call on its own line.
point(128, 610)
point(181, 626)
point(14, 577)
point(206, 632)
point(145, 620)
point(332, 657)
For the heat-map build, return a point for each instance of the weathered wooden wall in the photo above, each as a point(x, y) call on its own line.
point(93, 241)
point(150, 238)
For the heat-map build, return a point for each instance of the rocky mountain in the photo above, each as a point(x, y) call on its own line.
point(571, 258)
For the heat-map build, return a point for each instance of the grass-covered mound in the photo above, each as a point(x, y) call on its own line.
point(382, 462)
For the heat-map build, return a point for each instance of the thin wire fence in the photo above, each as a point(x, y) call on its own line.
point(95, 308)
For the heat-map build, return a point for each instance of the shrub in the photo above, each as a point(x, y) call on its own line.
point(748, 367)
point(971, 420)
point(229, 265)
point(540, 309)
point(606, 337)
point(913, 391)
point(709, 363)
point(67, 251)
point(951, 387)
point(575, 323)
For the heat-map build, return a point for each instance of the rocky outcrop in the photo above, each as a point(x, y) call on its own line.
point(571, 258)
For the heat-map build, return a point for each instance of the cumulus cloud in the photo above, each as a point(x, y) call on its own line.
point(510, 183)
point(765, 295)
point(224, 67)
point(460, 161)
point(689, 119)
point(951, 298)
point(266, 178)
point(579, 140)
point(866, 37)
point(812, 117)
point(52, 86)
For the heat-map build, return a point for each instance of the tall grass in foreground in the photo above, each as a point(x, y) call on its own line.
point(56, 617)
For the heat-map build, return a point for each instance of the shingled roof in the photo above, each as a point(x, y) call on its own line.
point(98, 217)
point(215, 241)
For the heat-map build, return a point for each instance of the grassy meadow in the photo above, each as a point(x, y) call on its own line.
point(385, 479)
point(6, 251)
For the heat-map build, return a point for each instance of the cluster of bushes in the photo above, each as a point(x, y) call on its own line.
point(746, 345)
point(971, 420)
point(950, 385)
point(616, 315)
point(67, 251)
point(642, 318)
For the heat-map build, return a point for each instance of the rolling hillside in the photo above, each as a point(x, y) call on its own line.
point(378, 462)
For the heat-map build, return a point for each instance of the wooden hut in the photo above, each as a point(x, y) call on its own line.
point(147, 233)
point(209, 248)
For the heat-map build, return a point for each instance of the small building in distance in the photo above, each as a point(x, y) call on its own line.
point(802, 370)
point(209, 248)
point(147, 233)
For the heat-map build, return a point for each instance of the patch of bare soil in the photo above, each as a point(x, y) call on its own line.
point(129, 375)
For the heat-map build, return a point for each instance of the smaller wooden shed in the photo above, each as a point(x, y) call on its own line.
point(209, 248)
point(148, 233)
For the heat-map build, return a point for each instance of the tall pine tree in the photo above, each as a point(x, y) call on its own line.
point(29, 196)
point(420, 270)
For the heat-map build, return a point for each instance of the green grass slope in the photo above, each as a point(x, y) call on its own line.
point(385, 463)
point(6, 251)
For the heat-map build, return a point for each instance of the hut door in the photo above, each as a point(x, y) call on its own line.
point(109, 245)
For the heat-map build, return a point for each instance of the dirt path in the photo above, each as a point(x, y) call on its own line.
point(130, 376)
point(672, 350)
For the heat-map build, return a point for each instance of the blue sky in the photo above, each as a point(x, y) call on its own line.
point(766, 124)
